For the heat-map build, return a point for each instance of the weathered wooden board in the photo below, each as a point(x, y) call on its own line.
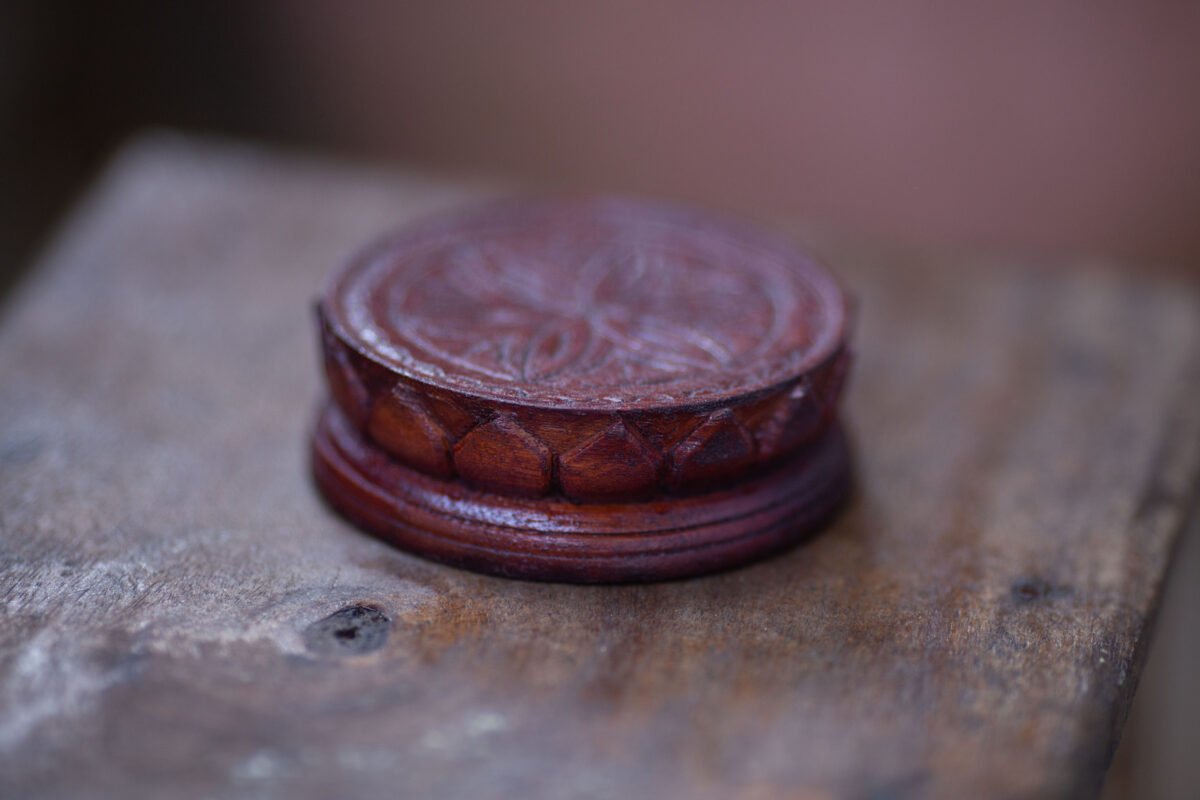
point(1027, 440)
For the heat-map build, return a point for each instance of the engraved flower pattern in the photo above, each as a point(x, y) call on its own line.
point(626, 313)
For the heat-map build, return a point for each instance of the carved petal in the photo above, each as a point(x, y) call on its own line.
point(404, 428)
point(832, 381)
point(449, 415)
point(348, 392)
point(792, 420)
point(615, 463)
point(720, 446)
point(502, 456)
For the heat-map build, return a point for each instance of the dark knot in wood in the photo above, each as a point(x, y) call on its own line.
point(351, 631)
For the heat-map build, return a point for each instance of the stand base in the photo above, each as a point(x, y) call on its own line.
point(552, 539)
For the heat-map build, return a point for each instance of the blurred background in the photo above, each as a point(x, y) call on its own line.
point(1062, 129)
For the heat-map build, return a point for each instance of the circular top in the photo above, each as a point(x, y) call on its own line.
point(588, 305)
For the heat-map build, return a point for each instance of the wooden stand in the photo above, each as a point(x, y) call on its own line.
point(592, 392)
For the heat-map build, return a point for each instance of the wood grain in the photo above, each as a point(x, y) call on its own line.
point(183, 616)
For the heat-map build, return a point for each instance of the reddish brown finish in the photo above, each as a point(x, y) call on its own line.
point(502, 456)
point(400, 424)
point(556, 539)
point(598, 351)
point(617, 463)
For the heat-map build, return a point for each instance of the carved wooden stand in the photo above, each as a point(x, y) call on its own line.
point(590, 391)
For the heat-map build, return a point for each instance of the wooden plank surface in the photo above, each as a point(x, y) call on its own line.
point(1027, 441)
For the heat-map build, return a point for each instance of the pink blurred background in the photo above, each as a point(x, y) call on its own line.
point(1056, 127)
point(1060, 126)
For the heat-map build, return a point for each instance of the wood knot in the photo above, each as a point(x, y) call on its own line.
point(1031, 589)
point(350, 631)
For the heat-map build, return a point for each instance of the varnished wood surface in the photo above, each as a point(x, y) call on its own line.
point(550, 539)
point(183, 616)
point(585, 391)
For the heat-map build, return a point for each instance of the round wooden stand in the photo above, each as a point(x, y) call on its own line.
point(588, 392)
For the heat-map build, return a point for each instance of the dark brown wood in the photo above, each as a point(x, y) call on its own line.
point(600, 390)
point(184, 617)
point(557, 539)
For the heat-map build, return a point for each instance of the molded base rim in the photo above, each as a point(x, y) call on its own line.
point(552, 539)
